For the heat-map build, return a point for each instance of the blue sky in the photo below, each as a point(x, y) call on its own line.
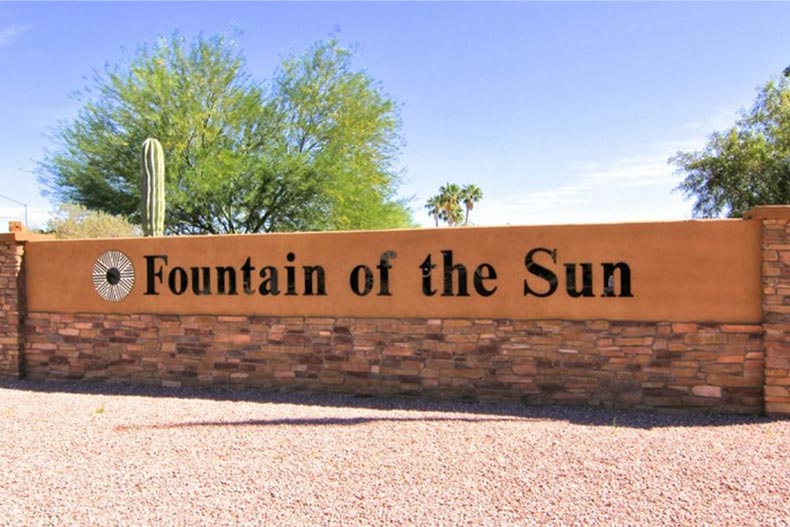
point(560, 112)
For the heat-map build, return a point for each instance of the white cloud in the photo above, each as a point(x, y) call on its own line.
point(634, 188)
point(9, 35)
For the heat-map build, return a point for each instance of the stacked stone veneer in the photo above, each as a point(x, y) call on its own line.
point(699, 366)
point(668, 365)
point(776, 314)
point(11, 306)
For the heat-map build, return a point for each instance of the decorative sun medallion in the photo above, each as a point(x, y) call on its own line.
point(113, 276)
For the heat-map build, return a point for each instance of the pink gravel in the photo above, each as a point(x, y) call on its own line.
point(85, 454)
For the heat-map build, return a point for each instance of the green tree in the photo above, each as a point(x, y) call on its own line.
point(446, 205)
point(450, 197)
point(75, 221)
point(314, 149)
point(745, 166)
point(434, 208)
point(470, 194)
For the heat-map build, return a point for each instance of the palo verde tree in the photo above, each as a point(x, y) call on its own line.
point(314, 148)
point(75, 221)
point(747, 165)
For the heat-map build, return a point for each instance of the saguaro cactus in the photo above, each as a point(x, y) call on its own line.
point(152, 175)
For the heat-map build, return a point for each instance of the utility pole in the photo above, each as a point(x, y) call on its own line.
point(18, 203)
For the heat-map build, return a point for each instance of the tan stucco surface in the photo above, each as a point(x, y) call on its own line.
point(694, 270)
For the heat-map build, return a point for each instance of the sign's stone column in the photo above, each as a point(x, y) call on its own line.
point(776, 305)
point(12, 301)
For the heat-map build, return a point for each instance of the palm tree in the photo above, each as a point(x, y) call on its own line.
point(450, 199)
point(470, 194)
point(434, 206)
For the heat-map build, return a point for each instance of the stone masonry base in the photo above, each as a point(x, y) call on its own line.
point(701, 367)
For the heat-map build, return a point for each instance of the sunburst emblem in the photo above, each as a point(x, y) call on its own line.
point(113, 276)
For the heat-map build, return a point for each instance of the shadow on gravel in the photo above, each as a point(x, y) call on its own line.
point(320, 421)
point(580, 415)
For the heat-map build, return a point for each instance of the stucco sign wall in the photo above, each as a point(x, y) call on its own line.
point(705, 271)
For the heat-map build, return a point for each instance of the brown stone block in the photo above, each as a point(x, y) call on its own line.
point(427, 373)
point(326, 322)
point(777, 332)
point(770, 269)
point(233, 338)
point(530, 326)
point(777, 350)
point(555, 326)
point(664, 400)
point(635, 351)
point(356, 365)
point(524, 368)
point(777, 408)
point(705, 339)
point(730, 359)
point(676, 345)
point(770, 301)
point(399, 351)
point(707, 391)
point(684, 327)
point(409, 369)
point(716, 379)
point(439, 364)
point(454, 323)
point(646, 330)
point(43, 346)
point(465, 373)
point(754, 365)
point(598, 325)
point(702, 356)
point(743, 328)
point(460, 338)
point(683, 373)
point(777, 363)
point(775, 399)
point(546, 341)
point(582, 385)
point(774, 391)
point(726, 369)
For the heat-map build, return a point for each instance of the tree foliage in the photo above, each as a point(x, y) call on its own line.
point(446, 206)
point(312, 149)
point(745, 166)
point(75, 221)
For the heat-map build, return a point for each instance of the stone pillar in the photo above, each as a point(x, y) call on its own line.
point(776, 304)
point(12, 300)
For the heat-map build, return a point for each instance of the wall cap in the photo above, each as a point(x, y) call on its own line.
point(768, 212)
point(22, 237)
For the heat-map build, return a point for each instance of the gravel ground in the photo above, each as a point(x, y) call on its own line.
point(85, 454)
